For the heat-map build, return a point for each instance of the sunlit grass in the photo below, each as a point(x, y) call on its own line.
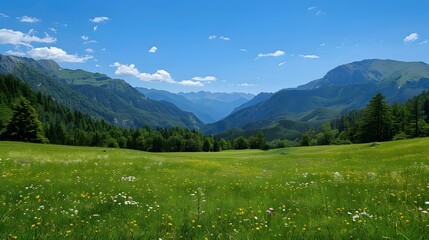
point(330, 192)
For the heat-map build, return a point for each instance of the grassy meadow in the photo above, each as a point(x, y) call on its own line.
point(323, 192)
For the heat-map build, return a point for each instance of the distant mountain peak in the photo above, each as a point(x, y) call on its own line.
point(218, 96)
point(372, 70)
point(43, 65)
point(207, 106)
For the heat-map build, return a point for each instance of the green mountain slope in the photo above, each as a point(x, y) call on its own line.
point(379, 72)
point(97, 94)
point(261, 97)
point(344, 88)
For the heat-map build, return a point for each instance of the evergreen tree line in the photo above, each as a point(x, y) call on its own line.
point(378, 122)
point(35, 117)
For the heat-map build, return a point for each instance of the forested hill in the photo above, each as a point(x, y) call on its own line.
point(344, 88)
point(35, 117)
point(61, 125)
point(96, 94)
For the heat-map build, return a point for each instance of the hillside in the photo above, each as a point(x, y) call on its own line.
point(373, 71)
point(261, 97)
point(342, 89)
point(96, 94)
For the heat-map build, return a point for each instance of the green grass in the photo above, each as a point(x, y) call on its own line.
point(326, 192)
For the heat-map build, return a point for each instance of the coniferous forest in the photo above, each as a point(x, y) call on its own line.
point(35, 117)
point(380, 121)
point(57, 124)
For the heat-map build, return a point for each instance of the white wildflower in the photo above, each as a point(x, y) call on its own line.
point(128, 179)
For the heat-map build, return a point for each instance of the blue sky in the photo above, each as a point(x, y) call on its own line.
point(220, 46)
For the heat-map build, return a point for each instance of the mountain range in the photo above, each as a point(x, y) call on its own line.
point(97, 94)
point(284, 114)
point(342, 89)
point(208, 107)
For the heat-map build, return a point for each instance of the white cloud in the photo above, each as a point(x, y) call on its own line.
point(86, 40)
point(153, 49)
point(16, 53)
point(28, 19)
point(99, 19)
point(322, 44)
point(282, 63)
point(213, 37)
point(56, 54)
point(411, 38)
point(246, 84)
point(53, 29)
point(89, 50)
point(243, 50)
point(90, 41)
point(191, 83)
point(242, 84)
point(423, 42)
point(158, 76)
point(129, 70)
point(197, 81)
point(8, 36)
point(3, 15)
point(310, 56)
point(277, 53)
point(95, 28)
point(205, 79)
point(97, 65)
point(31, 32)
point(315, 10)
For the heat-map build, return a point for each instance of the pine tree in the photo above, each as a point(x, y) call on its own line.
point(305, 140)
point(241, 143)
point(377, 120)
point(415, 114)
point(216, 146)
point(327, 136)
point(262, 141)
point(24, 124)
point(206, 145)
